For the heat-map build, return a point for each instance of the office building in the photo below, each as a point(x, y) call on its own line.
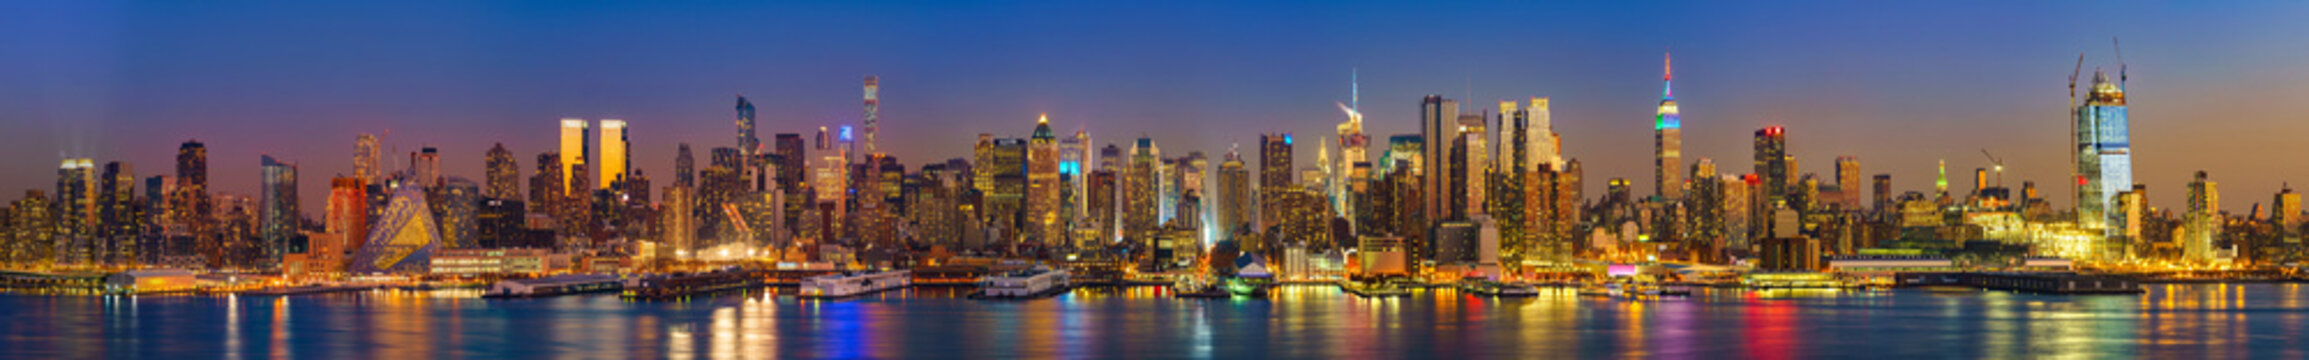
point(1668, 139)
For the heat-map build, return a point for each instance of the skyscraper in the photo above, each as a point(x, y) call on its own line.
point(573, 149)
point(2104, 155)
point(613, 153)
point(1848, 181)
point(1234, 197)
point(1274, 176)
point(793, 165)
point(365, 155)
point(193, 204)
point(1545, 149)
point(747, 142)
point(1042, 169)
point(1883, 194)
point(278, 217)
point(425, 164)
point(685, 171)
point(873, 112)
point(1438, 128)
point(503, 174)
point(1141, 210)
point(1772, 165)
point(76, 192)
point(1668, 139)
point(2285, 211)
point(348, 211)
point(120, 218)
point(2202, 226)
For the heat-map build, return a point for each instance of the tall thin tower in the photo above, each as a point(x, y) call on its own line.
point(873, 111)
point(748, 144)
point(1668, 138)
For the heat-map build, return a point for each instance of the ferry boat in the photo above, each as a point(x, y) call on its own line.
point(1499, 289)
point(1247, 287)
point(1024, 284)
point(1196, 287)
point(554, 286)
point(854, 283)
point(1372, 289)
point(1598, 290)
point(684, 285)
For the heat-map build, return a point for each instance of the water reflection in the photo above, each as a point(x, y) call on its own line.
point(2168, 321)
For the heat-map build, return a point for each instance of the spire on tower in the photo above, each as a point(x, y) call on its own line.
point(1668, 76)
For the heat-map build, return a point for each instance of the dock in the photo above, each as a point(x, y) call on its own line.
point(2042, 283)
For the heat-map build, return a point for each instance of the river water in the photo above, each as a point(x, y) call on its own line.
point(2169, 321)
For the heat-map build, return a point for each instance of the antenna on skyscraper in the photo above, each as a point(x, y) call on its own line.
point(1355, 88)
point(2120, 61)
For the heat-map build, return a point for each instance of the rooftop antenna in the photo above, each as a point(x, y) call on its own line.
point(2120, 47)
point(1355, 88)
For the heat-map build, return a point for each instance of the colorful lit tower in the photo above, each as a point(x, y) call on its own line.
point(1042, 186)
point(1668, 139)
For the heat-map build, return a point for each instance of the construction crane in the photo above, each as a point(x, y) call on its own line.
point(1996, 164)
point(2075, 193)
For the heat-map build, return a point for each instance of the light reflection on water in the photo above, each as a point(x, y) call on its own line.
point(2169, 321)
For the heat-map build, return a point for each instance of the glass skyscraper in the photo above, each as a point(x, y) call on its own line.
point(2104, 155)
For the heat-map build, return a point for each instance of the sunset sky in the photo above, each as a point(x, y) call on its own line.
point(1898, 84)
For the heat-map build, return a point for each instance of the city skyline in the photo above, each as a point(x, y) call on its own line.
point(1601, 85)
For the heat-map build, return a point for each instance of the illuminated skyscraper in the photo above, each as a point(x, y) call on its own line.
point(685, 171)
point(1354, 154)
point(278, 219)
point(1274, 176)
point(404, 238)
point(1042, 192)
point(545, 191)
point(747, 143)
point(1472, 167)
point(365, 155)
point(1142, 181)
point(348, 212)
point(2104, 152)
point(425, 164)
point(1438, 129)
point(2285, 211)
point(1668, 139)
point(1234, 197)
point(2202, 226)
point(1545, 147)
point(613, 153)
point(1848, 181)
point(1772, 166)
point(503, 175)
point(76, 192)
point(873, 112)
point(573, 149)
point(120, 218)
point(1073, 166)
point(193, 205)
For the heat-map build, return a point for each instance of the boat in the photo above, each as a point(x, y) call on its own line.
point(1247, 287)
point(1672, 290)
point(685, 285)
point(1498, 289)
point(848, 284)
point(1024, 284)
point(553, 286)
point(1598, 290)
point(1373, 289)
point(1196, 287)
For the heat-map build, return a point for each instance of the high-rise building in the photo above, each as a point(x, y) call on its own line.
point(1073, 161)
point(456, 210)
point(193, 206)
point(405, 237)
point(1668, 139)
point(348, 211)
point(1142, 181)
point(1883, 194)
point(1545, 147)
point(2285, 211)
point(76, 192)
point(747, 142)
point(425, 165)
point(873, 111)
point(680, 236)
point(1848, 181)
point(503, 174)
point(1042, 192)
point(1274, 176)
point(120, 218)
point(366, 150)
point(574, 132)
point(1438, 129)
point(1235, 204)
point(2104, 151)
point(278, 220)
point(545, 191)
point(2203, 225)
point(1354, 154)
point(793, 166)
point(1473, 157)
point(613, 153)
point(1772, 165)
point(685, 171)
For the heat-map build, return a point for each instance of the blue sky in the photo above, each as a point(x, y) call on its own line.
point(1900, 85)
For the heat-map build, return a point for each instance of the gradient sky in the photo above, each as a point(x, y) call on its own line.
point(1898, 84)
